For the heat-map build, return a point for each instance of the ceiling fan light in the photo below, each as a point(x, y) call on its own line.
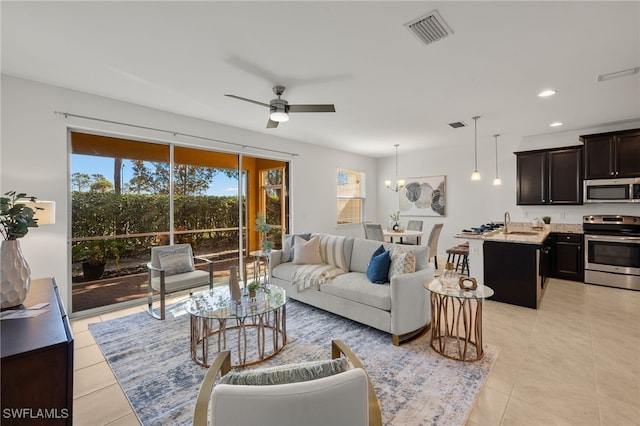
point(279, 116)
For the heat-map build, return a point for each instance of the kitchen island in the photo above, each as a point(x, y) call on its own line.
point(514, 264)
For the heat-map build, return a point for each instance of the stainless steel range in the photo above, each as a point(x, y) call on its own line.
point(612, 251)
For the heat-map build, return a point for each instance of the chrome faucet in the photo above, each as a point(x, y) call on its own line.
point(507, 219)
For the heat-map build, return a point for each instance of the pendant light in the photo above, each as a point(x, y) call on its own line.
point(476, 174)
point(399, 182)
point(497, 180)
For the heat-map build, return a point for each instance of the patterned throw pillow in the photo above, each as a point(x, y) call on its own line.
point(175, 260)
point(307, 252)
point(288, 247)
point(401, 262)
point(292, 373)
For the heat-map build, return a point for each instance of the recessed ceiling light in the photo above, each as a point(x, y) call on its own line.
point(556, 124)
point(547, 93)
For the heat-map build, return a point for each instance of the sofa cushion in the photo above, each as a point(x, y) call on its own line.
point(291, 373)
point(332, 251)
point(378, 269)
point(284, 271)
point(356, 286)
point(307, 252)
point(402, 262)
point(362, 251)
point(348, 250)
point(288, 247)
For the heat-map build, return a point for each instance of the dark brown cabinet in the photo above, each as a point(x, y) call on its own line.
point(568, 256)
point(37, 362)
point(551, 176)
point(612, 155)
point(514, 272)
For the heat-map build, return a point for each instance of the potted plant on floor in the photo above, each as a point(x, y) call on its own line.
point(94, 255)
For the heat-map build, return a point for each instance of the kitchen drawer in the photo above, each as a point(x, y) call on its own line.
point(569, 238)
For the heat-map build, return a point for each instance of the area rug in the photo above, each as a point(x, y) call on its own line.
point(415, 385)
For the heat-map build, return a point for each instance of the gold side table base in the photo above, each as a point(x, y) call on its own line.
point(205, 329)
point(456, 327)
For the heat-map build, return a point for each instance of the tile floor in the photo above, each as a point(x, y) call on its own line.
point(574, 361)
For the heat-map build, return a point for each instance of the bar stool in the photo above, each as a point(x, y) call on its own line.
point(460, 256)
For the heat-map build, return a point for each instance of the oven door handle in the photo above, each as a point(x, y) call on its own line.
point(617, 239)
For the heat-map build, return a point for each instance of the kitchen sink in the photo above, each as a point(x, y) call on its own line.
point(520, 233)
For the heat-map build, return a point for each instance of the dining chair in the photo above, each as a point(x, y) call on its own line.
point(412, 225)
point(373, 231)
point(433, 242)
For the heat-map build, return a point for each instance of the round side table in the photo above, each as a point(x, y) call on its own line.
point(456, 320)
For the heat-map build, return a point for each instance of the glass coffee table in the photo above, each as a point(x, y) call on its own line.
point(253, 328)
point(456, 319)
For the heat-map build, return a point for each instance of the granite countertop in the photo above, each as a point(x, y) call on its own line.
point(523, 233)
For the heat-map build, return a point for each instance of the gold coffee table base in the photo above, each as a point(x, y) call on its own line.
point(456, 327)
point(272, 323)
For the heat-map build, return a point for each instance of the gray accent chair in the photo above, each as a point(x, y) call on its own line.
point(159, 280)
point(373, 231)
point(343, 398)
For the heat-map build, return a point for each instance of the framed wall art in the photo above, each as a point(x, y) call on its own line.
point(423, 196)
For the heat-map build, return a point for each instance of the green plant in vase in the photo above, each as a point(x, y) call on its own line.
point(252, 287)
point(395, 217)
point(15, 220)
point(15, 217)
point(546, 219)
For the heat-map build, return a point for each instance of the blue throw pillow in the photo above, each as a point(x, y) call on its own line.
point(378, 251)
point(378, 269)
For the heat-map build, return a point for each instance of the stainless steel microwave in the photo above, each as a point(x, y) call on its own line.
point(612, 190)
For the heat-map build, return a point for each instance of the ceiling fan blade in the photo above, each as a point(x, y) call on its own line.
point(248, 100)
point(312, 108)
point(272, 124)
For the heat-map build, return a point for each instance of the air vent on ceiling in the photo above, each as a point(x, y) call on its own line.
point(429, 28)
point(457, 124)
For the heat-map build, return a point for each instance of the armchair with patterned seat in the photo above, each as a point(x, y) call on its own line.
point(172, 268)
point(334, 392)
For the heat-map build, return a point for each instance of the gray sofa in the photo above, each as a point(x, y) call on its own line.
point(399, 307)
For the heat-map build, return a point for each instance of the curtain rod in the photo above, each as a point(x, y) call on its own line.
point(174, 133)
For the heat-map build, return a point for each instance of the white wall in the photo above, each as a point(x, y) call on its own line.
point(34, 158)
point(470, 204)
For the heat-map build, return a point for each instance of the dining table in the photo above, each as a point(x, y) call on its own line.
point(400, 234)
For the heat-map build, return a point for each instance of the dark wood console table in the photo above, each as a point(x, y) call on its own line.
point(37, 362)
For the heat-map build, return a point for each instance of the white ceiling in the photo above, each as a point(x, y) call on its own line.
point(388, 88)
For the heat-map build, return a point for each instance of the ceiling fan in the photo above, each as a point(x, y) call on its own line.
point(279, 108)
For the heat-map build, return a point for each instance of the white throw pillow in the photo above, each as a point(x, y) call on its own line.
point(175, 260)
point(307, 252)
point(288, 245)
point(401, 262)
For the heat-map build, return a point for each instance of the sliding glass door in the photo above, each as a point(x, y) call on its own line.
point(128, 196)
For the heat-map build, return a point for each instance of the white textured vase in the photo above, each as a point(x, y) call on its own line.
point(15, 275)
